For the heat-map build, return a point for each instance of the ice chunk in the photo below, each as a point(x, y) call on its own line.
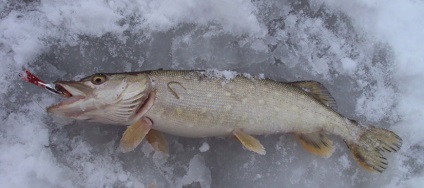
point(204, 147)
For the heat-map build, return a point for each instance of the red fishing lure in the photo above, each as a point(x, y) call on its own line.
point(29, 77)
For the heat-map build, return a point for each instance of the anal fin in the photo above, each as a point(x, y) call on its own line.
point(316, 143)
point(249, 142)
point(134, 134)
point(157, 140)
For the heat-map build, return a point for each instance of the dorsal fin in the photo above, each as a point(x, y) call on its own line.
point(318, 91)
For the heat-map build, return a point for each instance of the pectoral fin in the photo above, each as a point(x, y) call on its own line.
point(157, 140)
point(134, 134)
point(316, 143)
point(249, 142)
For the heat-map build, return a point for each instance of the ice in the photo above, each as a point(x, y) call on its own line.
point(197, 172)
point(367, 53)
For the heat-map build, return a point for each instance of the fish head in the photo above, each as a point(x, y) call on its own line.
point(104, 98)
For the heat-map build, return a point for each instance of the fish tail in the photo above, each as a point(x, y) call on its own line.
point(367, 151)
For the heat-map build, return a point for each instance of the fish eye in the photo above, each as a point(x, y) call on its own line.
point(98, 79)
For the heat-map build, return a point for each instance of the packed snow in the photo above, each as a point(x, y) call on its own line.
point(369, 54)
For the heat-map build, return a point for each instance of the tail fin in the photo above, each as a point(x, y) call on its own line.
point(367, 152)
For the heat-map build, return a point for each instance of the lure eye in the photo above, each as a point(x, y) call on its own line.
point(98, 79)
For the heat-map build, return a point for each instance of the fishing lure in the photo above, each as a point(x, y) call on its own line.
point(52, 88)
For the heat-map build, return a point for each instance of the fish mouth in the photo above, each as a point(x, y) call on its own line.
point(62, 91)
point(76, 94)
point(71, 93)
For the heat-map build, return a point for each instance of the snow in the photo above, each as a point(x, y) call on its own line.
point(197, 172)
point(204, 147)
point(225, 74)
point(348, 65)
point(367, 53)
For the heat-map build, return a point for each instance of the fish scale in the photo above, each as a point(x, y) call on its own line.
point(246, 112)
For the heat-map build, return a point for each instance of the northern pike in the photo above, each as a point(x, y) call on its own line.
point(208, 103)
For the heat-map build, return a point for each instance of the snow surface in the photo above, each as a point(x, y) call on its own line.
point(204, 147)
point(369, 54)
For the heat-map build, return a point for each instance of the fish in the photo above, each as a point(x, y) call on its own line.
point(211, 103)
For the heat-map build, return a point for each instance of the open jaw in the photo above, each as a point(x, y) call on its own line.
point(62, 91)
point(77, 96)
point(70, 98)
